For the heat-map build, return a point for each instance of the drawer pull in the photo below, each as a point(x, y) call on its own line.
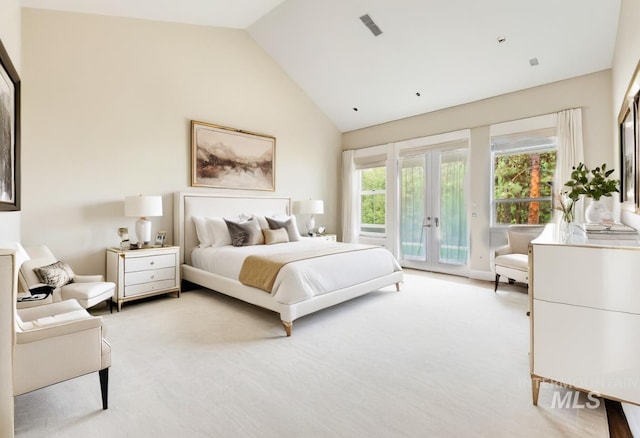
point(152, 262)
point(153, 276)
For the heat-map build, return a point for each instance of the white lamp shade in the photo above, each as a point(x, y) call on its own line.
point(309, 206)
point(143, 206)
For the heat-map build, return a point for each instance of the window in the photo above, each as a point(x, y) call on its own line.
point(373, 199)
point(523, 166)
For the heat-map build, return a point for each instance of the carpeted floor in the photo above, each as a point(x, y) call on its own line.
point(445, 357)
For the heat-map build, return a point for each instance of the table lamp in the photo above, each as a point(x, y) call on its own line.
point(141, 206)
point(310, 207)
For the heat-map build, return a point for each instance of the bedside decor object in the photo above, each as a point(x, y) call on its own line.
point(161, 237)
point(231, 158)
point(9, 134)
point(123, 233)
point(310, 207)
point(142, 207)
point(593, 184)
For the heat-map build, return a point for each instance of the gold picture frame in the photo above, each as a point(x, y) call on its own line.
point(224, 157)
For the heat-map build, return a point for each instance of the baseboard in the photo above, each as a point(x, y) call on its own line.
point(482, 275)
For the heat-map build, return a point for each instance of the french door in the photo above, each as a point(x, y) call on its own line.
point(434, 234)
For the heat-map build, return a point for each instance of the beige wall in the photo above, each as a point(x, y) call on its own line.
point(107, 107)
point(591, 92)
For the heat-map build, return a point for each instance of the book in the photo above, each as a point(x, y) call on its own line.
point(615, 231)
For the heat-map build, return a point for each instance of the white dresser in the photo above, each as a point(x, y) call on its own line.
point(143, 272)
point(585, 315)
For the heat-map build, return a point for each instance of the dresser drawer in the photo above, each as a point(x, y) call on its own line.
point(144, 288)
point(132, 264)
point(148, 276)
point(143, 272)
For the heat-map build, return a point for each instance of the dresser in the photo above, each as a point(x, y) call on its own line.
point(143, 272)
point(585, 315)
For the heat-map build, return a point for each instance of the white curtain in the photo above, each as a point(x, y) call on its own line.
point(349, 198)
point(570, 150)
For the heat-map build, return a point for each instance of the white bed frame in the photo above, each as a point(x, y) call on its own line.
point(187, 205)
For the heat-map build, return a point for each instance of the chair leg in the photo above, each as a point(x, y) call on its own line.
point(497, 280)
point(104, 386)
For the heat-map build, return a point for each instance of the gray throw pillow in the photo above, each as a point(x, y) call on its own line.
point(245, 233)
point(55, 275)
point(288, 224)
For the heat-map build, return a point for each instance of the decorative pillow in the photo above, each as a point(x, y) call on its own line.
point(288, 224)
point(201, 231)
point(55, 275)
point(218, 231)
point(275, 236)
point(245, 233)
point(261, 221)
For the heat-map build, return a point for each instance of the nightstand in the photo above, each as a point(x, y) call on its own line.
point(144, 272)
point(329, 237)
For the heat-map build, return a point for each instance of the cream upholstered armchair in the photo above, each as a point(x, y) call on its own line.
point(512, 260)
point(88, 290)
point(57, 342)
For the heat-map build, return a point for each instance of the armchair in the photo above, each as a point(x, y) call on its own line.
point(57, 342)
point(88, 290)
point(512, 260)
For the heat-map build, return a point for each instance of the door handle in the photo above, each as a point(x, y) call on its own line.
point(437, 222)
point(425, 222)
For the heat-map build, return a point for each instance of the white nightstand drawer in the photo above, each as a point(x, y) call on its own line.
point(143, 272)
point(144, 288)
point(133, 264)
point(149, 276)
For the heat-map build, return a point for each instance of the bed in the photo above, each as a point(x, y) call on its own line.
point(329, 274)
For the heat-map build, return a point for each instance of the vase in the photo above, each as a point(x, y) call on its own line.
point(566, 231)
point(596, 211)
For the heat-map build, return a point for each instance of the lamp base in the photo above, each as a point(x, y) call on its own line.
point(311, 225)
point(143, 231)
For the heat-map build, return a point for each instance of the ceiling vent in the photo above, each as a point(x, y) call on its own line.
point(533, 62)
point(373, 27)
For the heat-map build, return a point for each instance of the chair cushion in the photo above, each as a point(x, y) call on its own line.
point(86, 291)
point(28, 274)
point(514, 261)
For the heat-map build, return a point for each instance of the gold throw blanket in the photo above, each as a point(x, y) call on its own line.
point(261, 271)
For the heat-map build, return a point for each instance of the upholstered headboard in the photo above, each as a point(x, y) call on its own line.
point(187, 205)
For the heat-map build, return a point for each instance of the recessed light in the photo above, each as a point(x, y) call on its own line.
point(501, 39)
point(533, 62)
point(418, 93)
point(355, 109)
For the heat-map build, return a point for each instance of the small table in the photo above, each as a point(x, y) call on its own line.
point(144, 272)
point(329, 237)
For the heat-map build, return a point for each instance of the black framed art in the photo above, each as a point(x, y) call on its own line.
point(628, 153)
point(9, 134)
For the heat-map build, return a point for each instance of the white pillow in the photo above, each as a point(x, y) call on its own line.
point(201, 231)
point(261, 221)
point(218, 232)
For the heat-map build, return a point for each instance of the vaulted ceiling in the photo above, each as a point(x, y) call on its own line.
point(431, 54)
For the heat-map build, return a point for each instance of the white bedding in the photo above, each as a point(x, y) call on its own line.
point(303, 279)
